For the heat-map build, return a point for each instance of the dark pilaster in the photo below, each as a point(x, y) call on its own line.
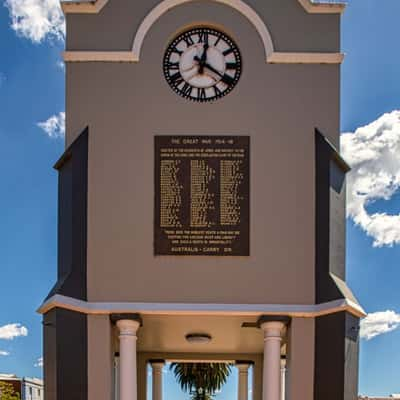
point(72, 220)
point(336, 357)
point(329, 219)
point(65, 355)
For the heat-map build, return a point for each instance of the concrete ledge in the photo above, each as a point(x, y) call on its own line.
point(273, 58)
point(290, 310)
point(99, 56)
point(305, 58)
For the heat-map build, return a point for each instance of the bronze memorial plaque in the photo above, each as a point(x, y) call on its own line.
point(202, 195)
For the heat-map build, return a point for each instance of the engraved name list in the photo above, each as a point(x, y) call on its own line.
point(201, 195)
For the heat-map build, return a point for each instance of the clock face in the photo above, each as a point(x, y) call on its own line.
point(202, 64)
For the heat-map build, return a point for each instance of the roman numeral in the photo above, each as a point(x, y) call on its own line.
point(187, 89)
point(201, 93)
point(175, 50)
point(217, 92)
point(231, 65)
point(176, 79)
point(228, 51)
point(203, 37)
point(228, 80)
point(218, 40)
point(189, 41)
point(173, 65)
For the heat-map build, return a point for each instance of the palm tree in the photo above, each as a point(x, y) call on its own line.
point(201, 380)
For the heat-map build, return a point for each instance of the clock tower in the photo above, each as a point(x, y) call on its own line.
point(202, 201)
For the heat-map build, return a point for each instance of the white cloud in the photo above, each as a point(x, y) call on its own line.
point(378, 323)
point(373, 153)
point(54, 127)
point(37, 20)
point(11, 331)
point(39, 362)
point(61, 65)
point(4, 353)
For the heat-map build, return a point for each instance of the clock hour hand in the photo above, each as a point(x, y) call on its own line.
point(203, 58)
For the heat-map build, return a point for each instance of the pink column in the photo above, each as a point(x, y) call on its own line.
point(127, 358)
point(273, 332)
point(157, 367)
point(243, 381)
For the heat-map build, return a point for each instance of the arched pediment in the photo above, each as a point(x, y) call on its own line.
point(163, 6)
point(238, 5)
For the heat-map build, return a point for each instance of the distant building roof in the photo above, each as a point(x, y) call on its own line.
point(13, 377)
point(36, 381)
point(8, 376)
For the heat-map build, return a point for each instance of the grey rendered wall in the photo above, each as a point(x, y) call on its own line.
point(100, 358)
point(279, 106)
point(300, 362)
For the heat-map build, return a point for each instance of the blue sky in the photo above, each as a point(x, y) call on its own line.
point(32, 92)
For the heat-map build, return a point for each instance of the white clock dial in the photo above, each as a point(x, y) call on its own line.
point(202, 64)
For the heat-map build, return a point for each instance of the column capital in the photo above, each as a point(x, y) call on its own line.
point(273, 327)
point(273, 318)
point(157, 364)
point(128, 327)
point(273, 330)
point(243, 365)
point(133, 317)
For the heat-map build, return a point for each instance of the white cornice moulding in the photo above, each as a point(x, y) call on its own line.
point(99, 56)
point(322, 8)
point(292, 310)
point(305, 58)
point(273, 58)
point(83, 7)
point(95, 6)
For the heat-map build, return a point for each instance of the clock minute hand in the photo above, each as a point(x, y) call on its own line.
point(228, 80)
point(212, 69)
